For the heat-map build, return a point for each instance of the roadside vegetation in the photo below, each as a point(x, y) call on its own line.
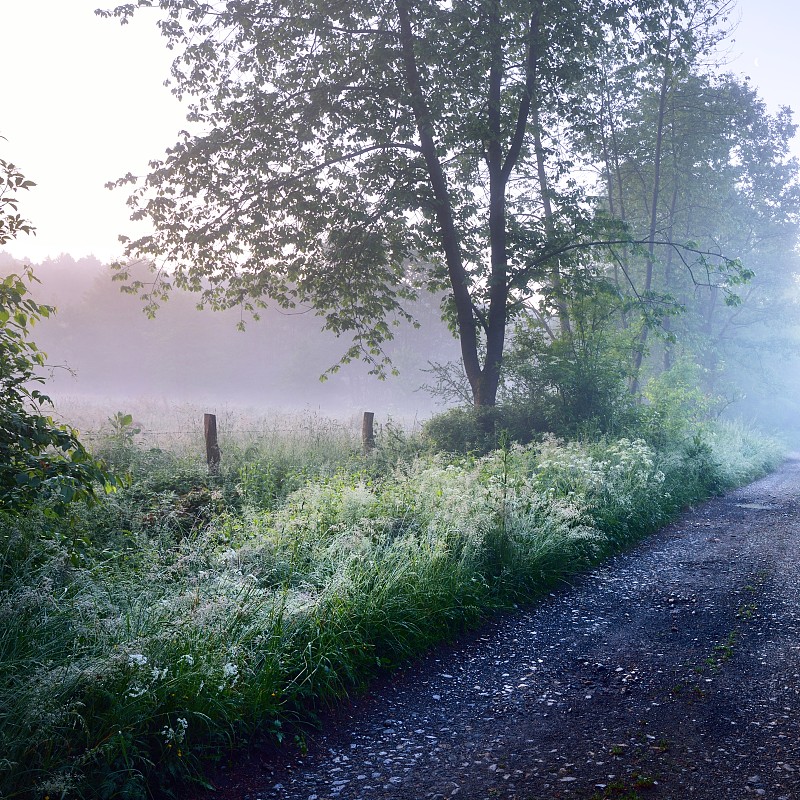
point(147, 633)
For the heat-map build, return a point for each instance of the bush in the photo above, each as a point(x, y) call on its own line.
point(38, 458)
point(674, 406)
point(481, 430)
point(576, 381)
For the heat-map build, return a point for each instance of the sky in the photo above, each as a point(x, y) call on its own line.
point(83, 103)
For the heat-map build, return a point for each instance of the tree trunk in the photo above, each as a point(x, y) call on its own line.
point(498, 285)
point(484, 380)
point(667, 361)
point(613, 170)
point(666, 82)
point(556, 283)
point(459, 280)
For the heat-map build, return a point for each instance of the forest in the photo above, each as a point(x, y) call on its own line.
point(565, 226)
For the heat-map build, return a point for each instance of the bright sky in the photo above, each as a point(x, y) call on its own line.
point(83, 103)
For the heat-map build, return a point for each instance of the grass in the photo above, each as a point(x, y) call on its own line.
point(152, 633)
point(624, 790)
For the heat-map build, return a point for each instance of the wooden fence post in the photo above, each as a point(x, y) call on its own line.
point(213, 454)
point(368, 432)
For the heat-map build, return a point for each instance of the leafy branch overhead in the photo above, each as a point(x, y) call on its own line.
point(11, 222)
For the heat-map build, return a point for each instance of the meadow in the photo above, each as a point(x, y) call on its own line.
point(147, 635)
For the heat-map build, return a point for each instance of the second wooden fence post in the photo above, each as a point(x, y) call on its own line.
point(368, 432)
point(213, 454)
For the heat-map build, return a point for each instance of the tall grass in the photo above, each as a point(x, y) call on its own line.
point(146, 636)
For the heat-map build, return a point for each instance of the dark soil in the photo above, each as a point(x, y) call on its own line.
point(672, 671)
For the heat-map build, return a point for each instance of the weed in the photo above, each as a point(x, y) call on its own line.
point(724, 650)
point(626, 789)
point(642, 781)
point(746, 611)
point(301, 743)
point(617, 790)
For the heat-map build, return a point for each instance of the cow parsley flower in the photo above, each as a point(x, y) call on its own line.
point(177, 734)
point(230, 670)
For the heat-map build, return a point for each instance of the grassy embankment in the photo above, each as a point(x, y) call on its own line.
point(148, 634)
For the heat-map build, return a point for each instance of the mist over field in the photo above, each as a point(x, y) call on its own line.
point(105, 355)
point(107, 352)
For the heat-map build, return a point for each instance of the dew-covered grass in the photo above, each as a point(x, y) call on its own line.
point(144, 637)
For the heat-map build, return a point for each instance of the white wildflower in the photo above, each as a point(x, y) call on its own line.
point(230, 670)
point(137, 659)
point(230, 674)
point(177, 734)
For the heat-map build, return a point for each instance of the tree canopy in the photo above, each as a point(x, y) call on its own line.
point(347, 155)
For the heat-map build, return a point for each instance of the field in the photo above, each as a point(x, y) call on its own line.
point(146, 635)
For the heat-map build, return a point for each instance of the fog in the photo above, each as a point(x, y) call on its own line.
point(105, 355)
point(103, 349)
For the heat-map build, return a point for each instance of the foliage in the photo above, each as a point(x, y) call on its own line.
point(39, 459)
point(578, 381)
point(741, 454)
point(675, 405)
point(173, 494)
point(118, 442)
point(567, 384)
point(467, 429)
point(12, 223)
point(162, 648)
point(690, 155)
point(446, 147)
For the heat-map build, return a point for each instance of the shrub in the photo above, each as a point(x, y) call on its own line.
point(481, 430)
point(674, 406)
point(576, 381)
point(38, 458)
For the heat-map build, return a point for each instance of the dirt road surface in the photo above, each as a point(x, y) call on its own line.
point(672, 671)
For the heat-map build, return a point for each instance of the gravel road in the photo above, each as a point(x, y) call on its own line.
point(671, 671)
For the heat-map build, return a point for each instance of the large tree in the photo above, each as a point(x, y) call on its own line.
point(658, 137)
point(346, 154)
point(724, 180)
